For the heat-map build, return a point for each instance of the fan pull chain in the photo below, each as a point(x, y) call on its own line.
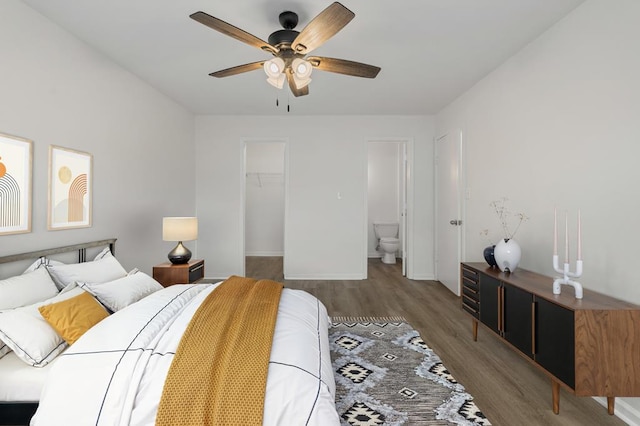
point(288, 102)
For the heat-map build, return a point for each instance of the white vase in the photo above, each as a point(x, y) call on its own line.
point(507, 254)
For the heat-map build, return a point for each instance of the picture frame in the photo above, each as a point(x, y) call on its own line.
point(16, 171)
point(70, 188)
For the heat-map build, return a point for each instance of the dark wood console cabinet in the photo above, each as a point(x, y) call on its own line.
point(590, 346)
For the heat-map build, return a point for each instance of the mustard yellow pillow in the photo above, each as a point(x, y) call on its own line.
point(71, 318)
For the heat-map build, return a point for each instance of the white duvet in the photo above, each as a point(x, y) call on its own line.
point(114, 374)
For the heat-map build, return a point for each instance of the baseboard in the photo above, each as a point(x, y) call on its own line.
point(424, 277)
point(324, 277)
point(265, 253)
point(217, 276)
point(377, 255)
point(354, 276)
point(623, 410)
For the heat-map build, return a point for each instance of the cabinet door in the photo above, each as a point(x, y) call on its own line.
point(517, 328)
point(555, 340)
point(489, 304)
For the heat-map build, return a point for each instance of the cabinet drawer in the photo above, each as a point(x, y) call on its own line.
point(470, 274)
point(471, 294)
point(467, 283)
point(468, 306)
point(471, 303)
point(196, 272)
point(470, 291)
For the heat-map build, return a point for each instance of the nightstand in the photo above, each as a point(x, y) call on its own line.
point(168, 274)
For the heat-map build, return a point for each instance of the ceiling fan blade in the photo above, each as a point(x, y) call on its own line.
point(342, 66)
point(231, 31)
point(238, 70)
point(292, 85)
point(322, 28)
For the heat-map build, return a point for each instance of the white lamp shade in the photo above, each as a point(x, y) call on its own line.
point(277, 82)
point(300, 82)
point(274, 67)
point(301, 69)
point(179, 228)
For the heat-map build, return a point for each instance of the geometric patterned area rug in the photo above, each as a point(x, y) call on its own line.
point(387, 375)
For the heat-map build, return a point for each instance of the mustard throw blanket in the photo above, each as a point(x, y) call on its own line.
point(218, 375)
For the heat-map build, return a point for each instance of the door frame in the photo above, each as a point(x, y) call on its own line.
point(406, 143)
point(243, 202)
point(462, 196)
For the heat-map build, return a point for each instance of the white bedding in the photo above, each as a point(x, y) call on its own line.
point(114, 374)
point(20, 382)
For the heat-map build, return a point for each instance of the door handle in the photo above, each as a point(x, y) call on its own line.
point(455, 222)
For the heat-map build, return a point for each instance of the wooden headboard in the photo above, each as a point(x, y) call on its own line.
point(80, 248)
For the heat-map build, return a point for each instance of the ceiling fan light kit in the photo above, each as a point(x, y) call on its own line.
point(274, 67)
point(277, 82)
point(301, 82)
point(290, 47)
point(275, 72)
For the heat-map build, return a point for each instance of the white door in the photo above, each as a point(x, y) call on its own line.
point(448, 210)
point(403, 208)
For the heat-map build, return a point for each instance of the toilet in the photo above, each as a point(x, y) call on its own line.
point(388, 241)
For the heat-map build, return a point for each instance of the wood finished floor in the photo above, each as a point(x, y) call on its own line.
point(507, 388)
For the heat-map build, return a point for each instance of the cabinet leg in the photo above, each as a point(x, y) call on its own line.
point(555, 392)
point(474, 323)
point(611, 404)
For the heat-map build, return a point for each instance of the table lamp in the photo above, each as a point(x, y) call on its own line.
point(179, 229)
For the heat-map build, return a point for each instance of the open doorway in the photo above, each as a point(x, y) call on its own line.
point(264, 201)
point(387, 189)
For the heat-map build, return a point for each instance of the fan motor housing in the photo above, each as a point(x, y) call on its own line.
point(282, 36)
point(288, 20)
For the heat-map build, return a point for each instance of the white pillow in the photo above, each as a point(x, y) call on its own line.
point(4, 349)
point(122, 292)
point(29, 335)
point(30, 287)
point(42, 261)
point(26, 289)
point(105, 252)
point(106, 268)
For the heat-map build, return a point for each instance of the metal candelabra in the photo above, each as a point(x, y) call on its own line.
point(567, 275)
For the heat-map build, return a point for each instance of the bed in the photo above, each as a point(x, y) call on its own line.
point(21, 384)
point(115, 372)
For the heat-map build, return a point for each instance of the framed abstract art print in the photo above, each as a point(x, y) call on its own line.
point(16, 156)
point(70, 183)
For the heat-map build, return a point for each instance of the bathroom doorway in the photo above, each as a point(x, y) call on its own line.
point(387, 194)
point(265, 195)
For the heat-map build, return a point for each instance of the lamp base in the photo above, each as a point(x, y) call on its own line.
point(180, 254)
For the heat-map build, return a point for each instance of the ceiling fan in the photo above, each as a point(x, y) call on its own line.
point(290, 48)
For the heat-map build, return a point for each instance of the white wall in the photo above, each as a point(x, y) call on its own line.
point(558, 126)
point(264, 198)
point(325, 236)
point(57, 91)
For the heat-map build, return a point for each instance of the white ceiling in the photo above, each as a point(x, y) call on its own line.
point(430, 51)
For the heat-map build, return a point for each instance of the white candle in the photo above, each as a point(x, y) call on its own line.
point(579, 237)
point(566, 238)
point(555, 231)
